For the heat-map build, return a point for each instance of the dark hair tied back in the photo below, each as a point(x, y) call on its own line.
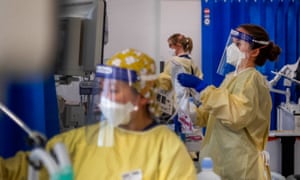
point(274, 51)
point(266, 52)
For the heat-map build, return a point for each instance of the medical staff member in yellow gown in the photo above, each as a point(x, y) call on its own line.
point(181, 47)
point(125, 142)
point(237, 114)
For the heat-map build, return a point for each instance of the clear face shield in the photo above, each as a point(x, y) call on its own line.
point(112, 105)
point(237, 43)
point(232, 55)
point(115, 104)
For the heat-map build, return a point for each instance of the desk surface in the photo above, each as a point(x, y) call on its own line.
point(281, 133)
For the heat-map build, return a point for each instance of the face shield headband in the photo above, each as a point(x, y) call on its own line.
point(110, 72)
point(126, 75)
point(245, 37)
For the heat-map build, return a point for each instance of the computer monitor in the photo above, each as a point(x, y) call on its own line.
point(82, 35)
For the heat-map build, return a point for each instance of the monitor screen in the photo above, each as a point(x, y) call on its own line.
point(81, 36)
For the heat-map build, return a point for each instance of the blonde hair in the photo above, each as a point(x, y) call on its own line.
point(185, 42)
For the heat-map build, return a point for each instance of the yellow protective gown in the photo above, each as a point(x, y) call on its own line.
point(237, 117)
point(165, 79)
point(158, 154)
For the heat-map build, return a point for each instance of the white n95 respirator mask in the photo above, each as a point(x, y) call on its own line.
point(172, 52)
point(116, 113)
point(234, 55)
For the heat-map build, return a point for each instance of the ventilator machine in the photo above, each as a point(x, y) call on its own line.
point(288, 112)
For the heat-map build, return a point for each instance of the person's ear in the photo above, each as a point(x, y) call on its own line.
point(255, 52)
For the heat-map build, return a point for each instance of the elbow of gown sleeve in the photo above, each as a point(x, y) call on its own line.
point(205, 94)
point(233, 111)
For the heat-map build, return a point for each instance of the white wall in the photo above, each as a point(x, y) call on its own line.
point(132, 23)
point(146, 25)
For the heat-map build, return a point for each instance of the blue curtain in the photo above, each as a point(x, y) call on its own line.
point(34, 102)
point(281, 19)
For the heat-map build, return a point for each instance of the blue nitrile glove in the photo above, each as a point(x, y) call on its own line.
point(191, 81)
point(227, 68)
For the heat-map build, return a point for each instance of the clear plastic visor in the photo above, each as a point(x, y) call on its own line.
point(112, 106)
point(232, 54)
